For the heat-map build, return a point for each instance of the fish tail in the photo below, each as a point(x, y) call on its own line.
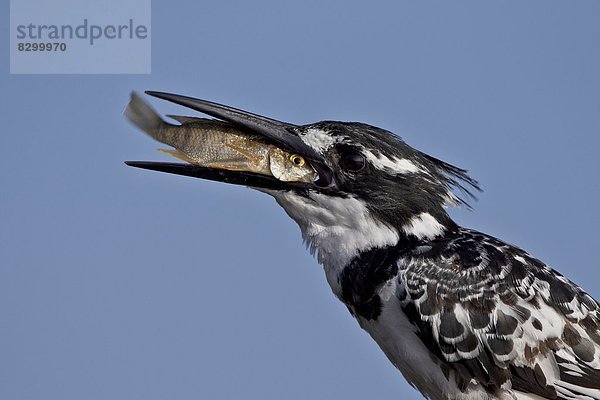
point(144, 117)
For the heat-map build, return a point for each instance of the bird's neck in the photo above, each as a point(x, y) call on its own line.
point(339, 229)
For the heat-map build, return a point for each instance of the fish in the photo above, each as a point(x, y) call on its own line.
point(217, 144)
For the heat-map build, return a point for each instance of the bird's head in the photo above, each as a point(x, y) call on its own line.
point(372, 189)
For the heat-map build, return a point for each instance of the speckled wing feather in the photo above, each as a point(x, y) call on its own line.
point(500, 319)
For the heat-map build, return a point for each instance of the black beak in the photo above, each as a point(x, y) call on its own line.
point(281, 133)
point(220, 175)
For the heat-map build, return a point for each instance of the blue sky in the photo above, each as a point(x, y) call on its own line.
point(120, 283)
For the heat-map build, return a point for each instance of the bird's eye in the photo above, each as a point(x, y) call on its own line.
point(352, 161)
point(297, 160)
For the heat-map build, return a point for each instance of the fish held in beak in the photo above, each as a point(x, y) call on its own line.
point(219, 145)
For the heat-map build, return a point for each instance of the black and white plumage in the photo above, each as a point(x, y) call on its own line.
point(461, 314)
point(494, 318)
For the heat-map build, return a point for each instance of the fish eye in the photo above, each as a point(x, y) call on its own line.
point(352, 161)
point(297, 160)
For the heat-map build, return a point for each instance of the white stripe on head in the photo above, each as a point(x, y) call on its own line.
point(423, 226)
point(393, 164)
point(318, 139)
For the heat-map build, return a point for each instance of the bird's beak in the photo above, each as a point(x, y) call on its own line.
point(282, 134)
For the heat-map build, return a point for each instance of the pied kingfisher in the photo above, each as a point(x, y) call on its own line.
point(461, 314)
